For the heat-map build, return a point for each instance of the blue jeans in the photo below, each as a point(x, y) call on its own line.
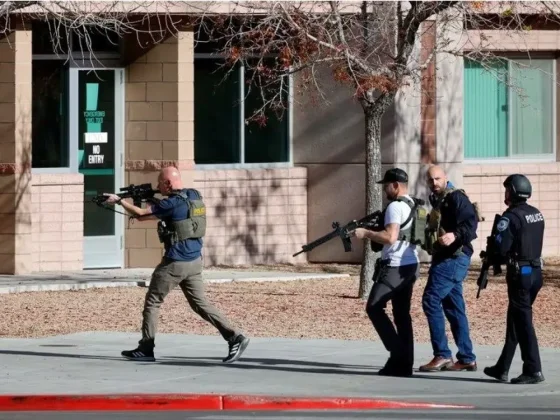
point(445, 290)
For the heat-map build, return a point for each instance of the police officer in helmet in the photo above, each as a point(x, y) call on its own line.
point(518, 244)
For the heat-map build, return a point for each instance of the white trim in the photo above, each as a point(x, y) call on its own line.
point(241, 77)
point(76, 56)
point(291, 119)
point(507, 161)
point(120, 176)
point(61, 170)
point(509, 147)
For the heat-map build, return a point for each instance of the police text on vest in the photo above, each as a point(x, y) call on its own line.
point(534, 218)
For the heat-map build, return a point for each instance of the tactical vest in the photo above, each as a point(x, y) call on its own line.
point(415, 233)
point(194, 226)
point(433, 226)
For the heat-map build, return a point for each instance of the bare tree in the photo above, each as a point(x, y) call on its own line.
point(145, 22)
point(371, 47)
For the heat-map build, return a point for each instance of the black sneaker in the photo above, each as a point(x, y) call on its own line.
point(236, 349)
point(139, 355)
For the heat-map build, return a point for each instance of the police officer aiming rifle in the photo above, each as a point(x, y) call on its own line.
point(518, 242)
point(181, 227)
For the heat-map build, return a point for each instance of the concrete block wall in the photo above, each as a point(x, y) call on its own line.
point(58, 222)
point(159, 130)
point(255, 216)
point(483, 183)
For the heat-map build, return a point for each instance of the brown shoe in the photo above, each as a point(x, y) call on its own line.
point(438, 363)
point(458, 366)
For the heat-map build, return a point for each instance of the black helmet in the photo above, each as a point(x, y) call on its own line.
point(519, 186)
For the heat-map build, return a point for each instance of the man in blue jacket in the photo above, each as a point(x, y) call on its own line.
point(451, 257)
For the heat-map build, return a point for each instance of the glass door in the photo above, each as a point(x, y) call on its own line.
point(98, 123)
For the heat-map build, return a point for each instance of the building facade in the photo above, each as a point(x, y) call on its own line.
point(74, 127)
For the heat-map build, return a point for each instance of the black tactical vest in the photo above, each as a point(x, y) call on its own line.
point(528, 240)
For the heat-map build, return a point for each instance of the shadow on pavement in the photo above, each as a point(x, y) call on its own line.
point(302, 366)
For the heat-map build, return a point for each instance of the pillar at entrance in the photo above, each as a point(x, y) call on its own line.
point(15, 153)
point(159, 130)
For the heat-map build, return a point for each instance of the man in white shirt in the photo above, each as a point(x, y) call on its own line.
point(395, 274)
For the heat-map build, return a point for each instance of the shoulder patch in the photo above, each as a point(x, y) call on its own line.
point(502, 224)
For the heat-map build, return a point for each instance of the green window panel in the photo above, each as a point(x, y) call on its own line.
point(508, 108)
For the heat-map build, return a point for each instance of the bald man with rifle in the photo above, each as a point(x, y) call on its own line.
point(182, 224)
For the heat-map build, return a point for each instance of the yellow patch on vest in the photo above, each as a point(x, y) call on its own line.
point(200, 211)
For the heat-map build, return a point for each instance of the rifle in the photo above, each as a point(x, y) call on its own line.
point(488, 259)
point(138, 193)
point(371, 221)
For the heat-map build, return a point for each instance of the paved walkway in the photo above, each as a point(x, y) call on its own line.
point(90, 363)
point(133, 277)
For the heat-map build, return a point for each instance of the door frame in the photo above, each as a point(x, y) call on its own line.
point(120, 123)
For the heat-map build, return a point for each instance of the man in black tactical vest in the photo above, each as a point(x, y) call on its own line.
point(182, 224)
point(395, 273)
point(449, 244)
point(518, 242)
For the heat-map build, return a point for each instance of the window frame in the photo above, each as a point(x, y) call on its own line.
point(79, 59)
point(515, 159)
point(289, 114)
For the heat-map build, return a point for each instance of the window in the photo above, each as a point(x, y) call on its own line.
point(221, 105)
point(509, 108)
point(49, 114)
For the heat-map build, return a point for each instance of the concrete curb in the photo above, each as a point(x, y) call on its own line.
point(65, 285)
point(212, 402)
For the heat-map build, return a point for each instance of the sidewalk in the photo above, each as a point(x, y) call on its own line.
point(90, 363)
point(85, 279)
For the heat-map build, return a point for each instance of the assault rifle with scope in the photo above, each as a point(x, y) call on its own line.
point(371, 221)
point(488, 257)
point(138, 193)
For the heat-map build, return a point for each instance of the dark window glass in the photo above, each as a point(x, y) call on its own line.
point(49, 114)
point(95, 39)
point(216, 114)
point(268, 142)
point(49, 38)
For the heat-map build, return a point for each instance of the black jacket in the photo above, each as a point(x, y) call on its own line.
point(458, 216)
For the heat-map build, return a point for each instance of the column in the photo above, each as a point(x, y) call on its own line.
point(15, 153)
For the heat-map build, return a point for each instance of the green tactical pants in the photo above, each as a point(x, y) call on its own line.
point(188, 275)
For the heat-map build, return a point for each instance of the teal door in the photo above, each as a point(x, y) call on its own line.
point(99, 126)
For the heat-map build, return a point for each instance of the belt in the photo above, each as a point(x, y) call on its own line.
point(536, 263)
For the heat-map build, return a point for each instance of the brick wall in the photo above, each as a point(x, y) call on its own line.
point(483, 183)
point(58, 222)
point(255, 216)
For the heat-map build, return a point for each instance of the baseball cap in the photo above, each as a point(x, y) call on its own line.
point(394, 175)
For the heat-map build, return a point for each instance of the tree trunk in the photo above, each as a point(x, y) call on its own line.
point(373, 117)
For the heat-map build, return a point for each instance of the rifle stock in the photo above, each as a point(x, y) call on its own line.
point(371, 221)
point(488, 259)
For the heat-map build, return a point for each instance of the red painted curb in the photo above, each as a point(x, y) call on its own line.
point(110, 402)
point(157, 402)
point(255, 402)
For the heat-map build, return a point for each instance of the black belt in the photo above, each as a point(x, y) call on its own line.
point(523, 263)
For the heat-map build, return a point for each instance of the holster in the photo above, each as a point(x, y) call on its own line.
point(380, 267)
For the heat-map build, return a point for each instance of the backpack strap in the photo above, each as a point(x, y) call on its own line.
point(412, 204)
